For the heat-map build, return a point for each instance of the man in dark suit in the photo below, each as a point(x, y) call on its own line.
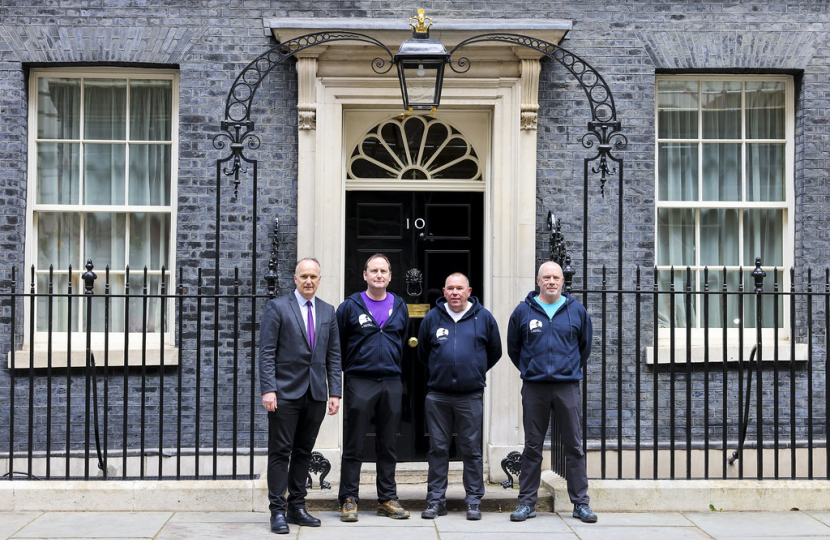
point(299, 370)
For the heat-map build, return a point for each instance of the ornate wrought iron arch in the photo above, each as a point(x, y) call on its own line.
point(237, 129)
point(604, 129)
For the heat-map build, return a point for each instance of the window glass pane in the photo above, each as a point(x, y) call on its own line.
point(116, 304)
point(765, 111)
point(765, 172)
point(149, 241)
point(763, 237)
point(151, 110)
point(721, 109)
point(150, 174)
point(104, 236)
point(677, 109)
point(722, 172)
point(143, 308)
point(58, 173)
point(678, 308)
point(105, 109)
point(58, 108)
point(677, 171)
point(62, 311)
point(720, 304)
point(768, 302)
point(58, 239)
point(104, 166)
point(676, 237)
point(719, 237)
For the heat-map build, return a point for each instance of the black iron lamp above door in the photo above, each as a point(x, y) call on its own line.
point(421, 63)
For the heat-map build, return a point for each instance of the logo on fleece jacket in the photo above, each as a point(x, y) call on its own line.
point(364, 321)
point(535, 326)
point(441, 334)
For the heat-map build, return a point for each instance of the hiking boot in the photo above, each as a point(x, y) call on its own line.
point(473, 512)
point(584, 513)
point(523, 512)
point(434, 510)
point(392, 509)
point(348, 511)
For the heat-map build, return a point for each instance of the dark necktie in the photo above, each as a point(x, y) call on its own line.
point(310, 326)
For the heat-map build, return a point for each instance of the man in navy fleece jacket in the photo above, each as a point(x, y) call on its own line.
point(459, 341)
point(373, 325)
point(549, 340)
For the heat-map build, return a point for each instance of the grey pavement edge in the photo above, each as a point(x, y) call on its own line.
point(454, 526)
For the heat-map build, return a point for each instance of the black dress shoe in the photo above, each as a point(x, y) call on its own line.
point(300, 517)
point(278, 524)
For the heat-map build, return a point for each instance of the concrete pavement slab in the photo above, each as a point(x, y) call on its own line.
point(824, 517)
point(364, 533)
point(95, 525)
point(494, 522)
point(84, 538)
point(220, 517)
point(500, 536)
point(636, 519)
point(11, 522)
point(223, 531)
point(639, 533)
point(371, 519)
point(758, 524)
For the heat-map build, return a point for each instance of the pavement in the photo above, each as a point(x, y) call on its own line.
point(454, 526)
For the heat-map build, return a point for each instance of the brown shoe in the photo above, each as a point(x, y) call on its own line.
point(392, 509)
point(348, 512)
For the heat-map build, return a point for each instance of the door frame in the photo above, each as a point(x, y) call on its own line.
point(509, 256)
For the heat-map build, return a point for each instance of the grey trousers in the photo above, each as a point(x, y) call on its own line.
point(464, 413)
point(537, 401)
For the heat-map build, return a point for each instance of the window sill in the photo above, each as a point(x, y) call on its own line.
point(24, 359)
point(697, 352)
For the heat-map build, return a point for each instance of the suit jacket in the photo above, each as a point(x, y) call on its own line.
point(286, 364)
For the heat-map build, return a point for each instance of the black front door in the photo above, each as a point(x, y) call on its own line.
point(426, 236)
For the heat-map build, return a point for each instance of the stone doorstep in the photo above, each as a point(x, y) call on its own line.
point(413, 498)
point(248, 495)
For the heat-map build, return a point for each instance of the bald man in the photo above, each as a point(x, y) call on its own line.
point(549, 340)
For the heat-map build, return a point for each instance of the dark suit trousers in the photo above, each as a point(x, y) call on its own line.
point(537, 401)
point(292, 431)
point(363, 400)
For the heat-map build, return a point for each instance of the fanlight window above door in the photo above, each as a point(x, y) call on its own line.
point(414, 148)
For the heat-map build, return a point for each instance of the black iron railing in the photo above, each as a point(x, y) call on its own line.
point(750, 401)
point(182, 402)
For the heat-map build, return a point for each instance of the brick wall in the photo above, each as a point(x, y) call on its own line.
point(210, 43)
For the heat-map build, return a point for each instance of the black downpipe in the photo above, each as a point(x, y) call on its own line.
point(736, 455)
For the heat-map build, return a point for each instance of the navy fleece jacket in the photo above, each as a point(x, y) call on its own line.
point(459, 354)
point(367, 350)
point(549, 350)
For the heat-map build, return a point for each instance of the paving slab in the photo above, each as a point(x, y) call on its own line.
point(223, 531)
point(95, 525)
point(11, 522)
point(500, 536)
point(599, 532)
point(824, 517)
point(631, 519)
point(361, 533)
point(369, 519)
point(499, 522)
point(221, 517)
point(85, 538)
point(758, 524)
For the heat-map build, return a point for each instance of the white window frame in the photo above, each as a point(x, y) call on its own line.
point(154, 340)
point(787, 207)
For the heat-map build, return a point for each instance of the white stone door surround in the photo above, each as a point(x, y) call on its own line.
point(340, 98)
